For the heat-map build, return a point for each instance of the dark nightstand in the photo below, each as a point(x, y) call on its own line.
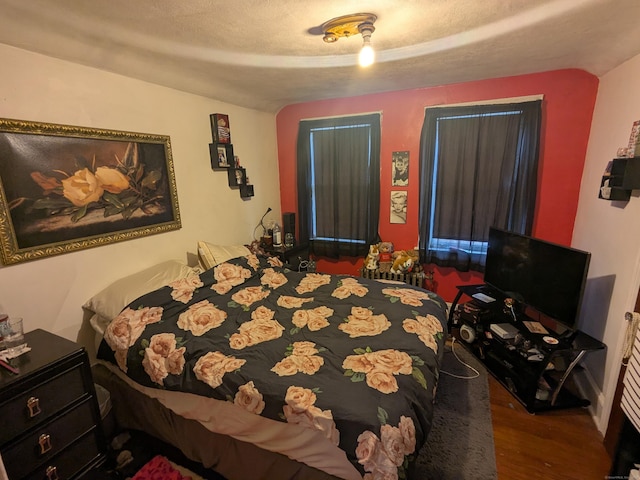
point(51, 426)
point(292, 257)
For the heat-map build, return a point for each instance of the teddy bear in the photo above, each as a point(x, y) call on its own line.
point(371, 261)
point(385, 260)
point(402, 262)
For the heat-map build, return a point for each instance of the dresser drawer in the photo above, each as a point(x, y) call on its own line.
point(48, 440)
point(72, 462)
point(48, 398)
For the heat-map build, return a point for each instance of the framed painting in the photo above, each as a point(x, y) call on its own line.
point(66, 188)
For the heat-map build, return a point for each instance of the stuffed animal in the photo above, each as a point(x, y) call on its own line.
point(402, 262)
point(415, 254)
point(385, 261)
point(371, 262)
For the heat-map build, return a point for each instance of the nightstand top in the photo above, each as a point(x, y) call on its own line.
point(46, 349)
point(282, 249)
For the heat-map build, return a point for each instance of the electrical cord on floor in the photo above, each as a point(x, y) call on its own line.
point(470, 377)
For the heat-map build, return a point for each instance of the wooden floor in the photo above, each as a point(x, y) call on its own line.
point(559, 445)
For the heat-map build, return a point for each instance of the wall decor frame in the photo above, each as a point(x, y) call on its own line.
point(65, 188)
point(220, 128)
point(221, 155)
point(400, 169)
point(246, 191)
point(237, 176)
point(398, 212)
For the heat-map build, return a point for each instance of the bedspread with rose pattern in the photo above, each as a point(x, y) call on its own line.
point(354, 358)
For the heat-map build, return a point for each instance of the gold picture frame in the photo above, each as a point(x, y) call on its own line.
point(65, 188)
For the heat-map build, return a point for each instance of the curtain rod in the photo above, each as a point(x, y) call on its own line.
point(360, 114)
point(495, 101)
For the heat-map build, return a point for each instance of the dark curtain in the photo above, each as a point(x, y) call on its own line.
point(339, 184)
point(485, 163)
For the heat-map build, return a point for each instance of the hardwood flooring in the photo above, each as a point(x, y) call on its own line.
point(557, 445)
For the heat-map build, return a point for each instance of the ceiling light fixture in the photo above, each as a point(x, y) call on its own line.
point(348, 25)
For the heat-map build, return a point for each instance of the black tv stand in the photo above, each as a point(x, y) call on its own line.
point(527, 357)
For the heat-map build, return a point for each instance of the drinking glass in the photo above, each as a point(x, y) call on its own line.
point(14, 336)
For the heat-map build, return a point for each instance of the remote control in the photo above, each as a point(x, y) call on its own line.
point(483, 298)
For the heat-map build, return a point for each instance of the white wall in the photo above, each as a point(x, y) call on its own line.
point(611, 232)
point(49, 292)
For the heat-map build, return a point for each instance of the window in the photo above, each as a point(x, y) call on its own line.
point(479, 168)
point(339, 184)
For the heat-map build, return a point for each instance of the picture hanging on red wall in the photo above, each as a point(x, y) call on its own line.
point(400, 166)
point(398, 206)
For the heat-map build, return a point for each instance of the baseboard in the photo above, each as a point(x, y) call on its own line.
point(589, 389)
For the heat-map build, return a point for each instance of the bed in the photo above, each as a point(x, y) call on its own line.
point(261, 372)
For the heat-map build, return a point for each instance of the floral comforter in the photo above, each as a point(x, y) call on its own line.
point(354, 358)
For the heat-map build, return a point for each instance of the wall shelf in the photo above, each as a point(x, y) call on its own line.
point(222, 156)
point(623, 176)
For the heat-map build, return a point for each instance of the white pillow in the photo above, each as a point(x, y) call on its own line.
point(211, 255)
point(108, 303)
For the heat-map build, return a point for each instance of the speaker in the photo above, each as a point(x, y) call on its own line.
point(289, 223)
point(467, 333)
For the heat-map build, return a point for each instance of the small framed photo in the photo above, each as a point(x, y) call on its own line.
point(398, 206)
point(237, 176)
point(220, 128)
point(400, 166)
point(221, 155)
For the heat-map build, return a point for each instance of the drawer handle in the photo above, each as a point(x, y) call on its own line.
point(45, 443)
point(52, 473)
point(33, 404)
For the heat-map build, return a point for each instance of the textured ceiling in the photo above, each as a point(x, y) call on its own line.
point(266, 54)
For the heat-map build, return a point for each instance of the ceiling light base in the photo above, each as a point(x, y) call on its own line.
point(348, 25)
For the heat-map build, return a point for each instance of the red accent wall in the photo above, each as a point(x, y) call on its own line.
point(569, 98)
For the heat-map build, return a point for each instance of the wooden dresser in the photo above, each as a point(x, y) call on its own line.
point(50, 427)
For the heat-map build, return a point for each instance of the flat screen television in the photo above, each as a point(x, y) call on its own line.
point(542, 275)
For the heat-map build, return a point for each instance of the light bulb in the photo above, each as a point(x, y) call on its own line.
point(367, 55)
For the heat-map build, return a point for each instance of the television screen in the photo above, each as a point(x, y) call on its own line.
point(545, 276)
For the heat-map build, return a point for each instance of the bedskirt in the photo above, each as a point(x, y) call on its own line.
point(234, 459)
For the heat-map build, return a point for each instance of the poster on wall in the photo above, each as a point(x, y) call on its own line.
point(398, 206)
point(65, 188)
point(400, 169)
